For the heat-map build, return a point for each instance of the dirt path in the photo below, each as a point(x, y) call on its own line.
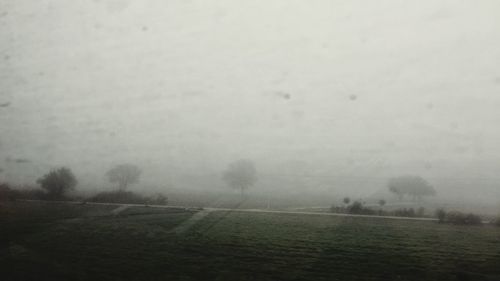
point(320, 214)
point(186, 225)
point(120, 209)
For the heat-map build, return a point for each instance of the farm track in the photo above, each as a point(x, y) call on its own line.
point(185, 226)
point(120, 209)
point(211, 209)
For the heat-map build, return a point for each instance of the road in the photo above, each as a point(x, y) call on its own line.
point(210, 209)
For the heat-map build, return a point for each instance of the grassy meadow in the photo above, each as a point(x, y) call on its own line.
point(88, 242)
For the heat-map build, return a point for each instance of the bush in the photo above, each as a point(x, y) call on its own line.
point(128, 197)
point(473, 219)
point(404, 213)
point(159, 199)
point(31, 194)
point(358, 209)
point(337, 209)
point(460, 218)
point(355, 208)
point(10, 194)
point(119, 196)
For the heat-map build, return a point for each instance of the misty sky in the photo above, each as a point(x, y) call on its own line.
point(345, 93)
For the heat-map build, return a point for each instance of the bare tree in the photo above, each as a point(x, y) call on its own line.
point(396, 190)
point(124, 175)
point(240, 175)
point(346, 200)
point(381, 202)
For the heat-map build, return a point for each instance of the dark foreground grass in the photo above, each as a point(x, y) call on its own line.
point(89, 244)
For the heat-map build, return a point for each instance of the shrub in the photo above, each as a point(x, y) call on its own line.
point(337, 209)
point(460, 218)
point(404, 212)
point(357, 208)
point(11, 194)
point(473, 219)
point(119, 196)
point(128, 197)
point(31, 194)
point(159, 199)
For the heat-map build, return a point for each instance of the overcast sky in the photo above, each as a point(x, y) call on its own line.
point(348, 91)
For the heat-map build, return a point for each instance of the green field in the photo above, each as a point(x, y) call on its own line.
point(83, 242)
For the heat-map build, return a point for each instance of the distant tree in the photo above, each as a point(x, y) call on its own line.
point(57, 182)
point(381, 202)
point(346, 200)
point(413, 186)
point(397, 191)
point(441, 215)
point(159, 199)
point(240, 175)
point(124, 175)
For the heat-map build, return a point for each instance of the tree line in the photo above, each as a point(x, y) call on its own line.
point(239, 175)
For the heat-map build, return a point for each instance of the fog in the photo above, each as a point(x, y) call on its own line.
point(325, 97)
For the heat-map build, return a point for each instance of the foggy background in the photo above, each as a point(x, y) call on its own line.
point(328, 98)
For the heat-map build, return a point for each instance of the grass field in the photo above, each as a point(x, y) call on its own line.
point(82, 242)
